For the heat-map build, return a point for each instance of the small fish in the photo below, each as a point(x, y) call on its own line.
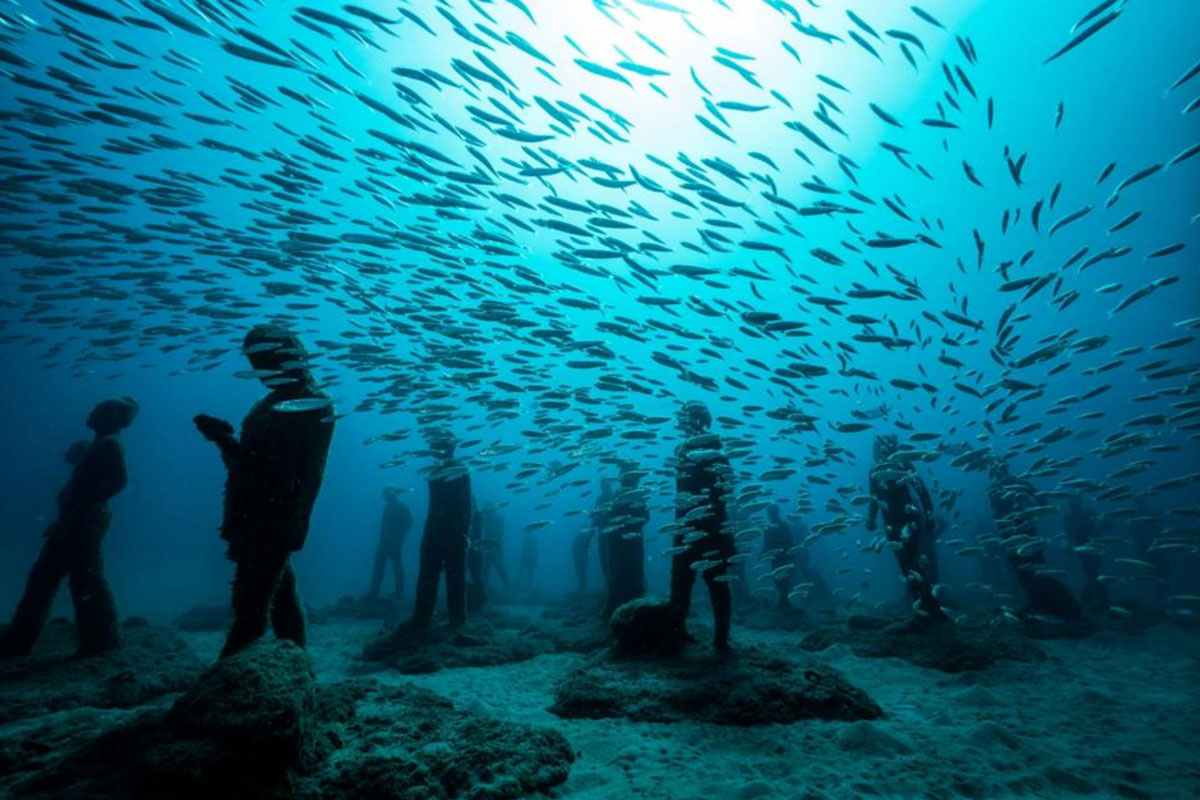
point(302, 404)
point(1084, 35)
point(926, 16)
point(1184, 78)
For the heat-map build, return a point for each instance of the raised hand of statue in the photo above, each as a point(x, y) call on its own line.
point(212, 428)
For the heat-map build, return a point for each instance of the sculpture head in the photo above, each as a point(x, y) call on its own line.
point(694, 417)
point(276, 352)
point(442, 443)
point(113, 416)
point(885, 445)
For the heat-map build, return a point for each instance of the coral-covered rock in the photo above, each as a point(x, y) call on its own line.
point(750, 687)
point(150, 663)
point(647, 625)
point(416, 651)
point(411, 744)
point(972, 645)
point(257, 725)
point(204, 619)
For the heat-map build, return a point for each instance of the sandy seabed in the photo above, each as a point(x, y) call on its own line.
point(1109, 716)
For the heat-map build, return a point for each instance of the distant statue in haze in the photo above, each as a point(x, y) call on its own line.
point(73, 541)
point(446, 535)
point(492, 545)
point(908, 525)
point(1145, 532)
point(1079, 524)
point(595, 530)
point(274, 471)
point(1008, 496)
point(527, 566)
point(394, 526)
point(627, 546)
point(485, 554)
point(703, 545)
point(777, 546)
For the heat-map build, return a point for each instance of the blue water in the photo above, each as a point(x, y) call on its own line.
point(75, 328)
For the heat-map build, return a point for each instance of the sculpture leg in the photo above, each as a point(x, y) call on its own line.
point(95, 610)
point(254, 584)
point(287, 613)
point(48, 570)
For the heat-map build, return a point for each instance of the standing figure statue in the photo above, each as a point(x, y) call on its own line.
point(73, 541)
point(596, 529)
point(1009, 496)
point(627, 547)
point(1079, 524)
point(527, 566)
point(908, 525)
point(394, 526)
point(492, 545)
point(777, 547)
point(274, 471)
point(445, 538)
point(703, 545)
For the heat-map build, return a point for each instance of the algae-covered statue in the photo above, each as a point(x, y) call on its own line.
point(274, 475)
point(1011, 499)
point(445, 538)
point(73, 541)
point(703, 544)
point(394, 525)
point(903, 500)
point(626, 545)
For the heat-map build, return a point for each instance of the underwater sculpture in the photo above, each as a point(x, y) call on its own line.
point(394, 526)
point(476, 596)
point(491, 545)
point(907, 509)
point(484, 554)
point(1079, 524)
point(274, 475)
point(777, 546)
point(600, 530)
point(626, 545)
point(445, 537)
point(529, 561)
point(1144, 532)
point(703, 545)
point(1010, 498)
point(73, 541)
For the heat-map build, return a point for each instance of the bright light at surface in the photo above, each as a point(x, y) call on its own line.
point(723, 51)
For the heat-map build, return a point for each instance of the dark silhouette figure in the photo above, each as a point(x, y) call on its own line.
point(1080, 527)
point(483, 555)
point(627, 547)
point(596, 529)
point(446, 536)
point(1144, 532)
point(777, 544)
point(818, 594)
point(580, 545)
point(73, 541)
point(702, 473)
point(394, 526)
point(529, 561)
point(491, 544)
point(274, 475)
point(1008, 497)
point(907, 509)
point(476, 596)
